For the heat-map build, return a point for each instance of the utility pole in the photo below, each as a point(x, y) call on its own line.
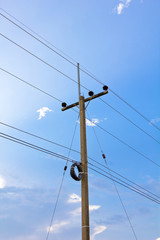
point(84, 162)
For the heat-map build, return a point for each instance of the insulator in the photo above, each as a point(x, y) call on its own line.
point(64, 104)
point(103, 155)
point(105, 88)
point(91, 93)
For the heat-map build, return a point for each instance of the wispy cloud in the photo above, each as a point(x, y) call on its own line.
point(155, 120)
point(55, 228)
point(77, 211)
point(2, 182)
point(158, 238)
point(74, 198)
point(97, 230)
point(122, 4)
point(92, 123)
point(42, 112)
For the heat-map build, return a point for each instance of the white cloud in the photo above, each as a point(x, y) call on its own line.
point(120, 8)
point(2, 182)
point(158, 238)
point(74, 198)
point(155, 120)
point(55, 228)
point(42, 112)
point(97, 230)
point(94, 207)
point(92, 122)
point(77, 211)
point(122, 4)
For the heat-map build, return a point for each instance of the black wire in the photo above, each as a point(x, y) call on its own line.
point(71, 149)
point(142, 130)
point(76, 83)
point(87, 89)
point(27, 144)
point(126, 144)
point(38, 40)
point(123, 181)
point(150, 198)
point(82, 69)
point(19, 141)
point(33, 86)
point(40, 59)
point(36, 136)
point(133, 108)
point(37, 88)
point(37, 35)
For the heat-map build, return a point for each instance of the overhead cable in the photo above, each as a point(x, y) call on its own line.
point(30, 145)
point(126, 144)
point(71, 62)
point(137, 191)
point(19, 141)
point(114, 136)
point(76, 151)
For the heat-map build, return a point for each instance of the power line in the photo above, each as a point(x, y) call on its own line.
point(66, 58)
point(142, 130)
point(33, 86)
point(38, 39)
point(85, 89)
point(37, 88)
point(122, 181)
point(137, 191)
point(27, 144)
point(40, 59)
point(31, 30)
point(95, 124)
point(126, 144)
point(73, 150)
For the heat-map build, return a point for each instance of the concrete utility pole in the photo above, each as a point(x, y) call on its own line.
point(84, 162)
point(84, 181)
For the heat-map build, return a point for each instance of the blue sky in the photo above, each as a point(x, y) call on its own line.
point(117, 41)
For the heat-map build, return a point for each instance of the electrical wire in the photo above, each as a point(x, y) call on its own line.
point(40, 59)
point(126, 144)
point(37, 88)
point(33, 86)
point(78, 152)
point(31, 30)
point(66, 58)
point(123, 183)
point(142, 130)
point(149, 135)
point(120, 140)
point(27, 144)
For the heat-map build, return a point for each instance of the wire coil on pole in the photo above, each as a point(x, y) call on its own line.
point(73, 173)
